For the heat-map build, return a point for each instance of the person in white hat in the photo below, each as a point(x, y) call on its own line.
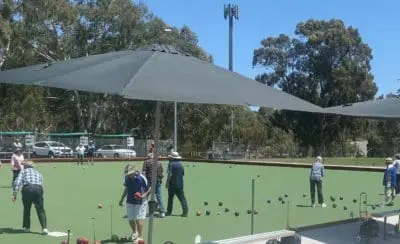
point(176, 171)
point(316, 176)
point(136, 191)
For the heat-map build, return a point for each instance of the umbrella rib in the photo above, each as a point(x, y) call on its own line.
point(76, 70)
point(132, 80)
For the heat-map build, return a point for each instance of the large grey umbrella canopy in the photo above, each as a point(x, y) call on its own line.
point(158, 73)
point(379, 108)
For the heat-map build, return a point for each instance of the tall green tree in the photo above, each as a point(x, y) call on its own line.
point(326, 63)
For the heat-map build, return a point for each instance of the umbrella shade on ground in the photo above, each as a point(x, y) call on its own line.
point(158, 73)
point(379, 108)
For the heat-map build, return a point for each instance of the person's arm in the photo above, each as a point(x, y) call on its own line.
point(161, 171)
point(144, 168)
point(124, 193)
point(168, 176)
point(394, 177)
point(12, 161)
point(322, 171)
point(17, 186)
point(147, 192)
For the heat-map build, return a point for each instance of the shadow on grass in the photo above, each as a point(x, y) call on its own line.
point(303, 206)
point(16, 231)
point(6, 187)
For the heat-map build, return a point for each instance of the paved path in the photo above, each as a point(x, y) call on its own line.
point(346, 234)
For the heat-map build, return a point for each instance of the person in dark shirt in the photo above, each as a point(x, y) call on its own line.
point(175, 184)
point(147, 171)
point(136, 192)
point(90, 152)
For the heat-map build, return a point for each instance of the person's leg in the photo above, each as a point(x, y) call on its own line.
point(398, 184)
point(393, 194)
point(140, 225)
point(387, 194)
point(140, 217)
point(130, 212)
point(319, 191)
point(159, 199)
point(27, 203)
point(181, 196)
point(39, 205)
point(312, 191)
point(15, 175)
point(171, 194)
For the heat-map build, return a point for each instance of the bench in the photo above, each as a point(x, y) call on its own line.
point(385, 215)
point(256, 238)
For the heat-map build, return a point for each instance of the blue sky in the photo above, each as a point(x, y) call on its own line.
point(377, 21)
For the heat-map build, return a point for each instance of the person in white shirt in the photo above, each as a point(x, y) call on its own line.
point(80, 152)
point(17, 164)
point(17, 145)
point(396, 164)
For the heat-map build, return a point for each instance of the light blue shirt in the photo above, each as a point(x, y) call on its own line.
point(317, 171)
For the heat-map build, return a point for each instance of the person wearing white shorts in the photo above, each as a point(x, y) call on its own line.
point(136, 211)
point(136, 191)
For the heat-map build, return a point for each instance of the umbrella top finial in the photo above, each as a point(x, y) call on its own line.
point(164, 48)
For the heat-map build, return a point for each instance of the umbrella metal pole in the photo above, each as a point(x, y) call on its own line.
point(154, 171)
point(175, 126)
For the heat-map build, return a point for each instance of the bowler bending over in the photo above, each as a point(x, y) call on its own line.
point(136, 191)
point(316, 176)
point(31, 181)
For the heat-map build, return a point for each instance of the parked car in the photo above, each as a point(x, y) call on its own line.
point(51, 149)
point(116, 151)
point(6, 152)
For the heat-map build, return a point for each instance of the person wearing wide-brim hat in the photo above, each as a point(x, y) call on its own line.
point(136, 191)
point(30, 182)
point(389, 181)
point(17, 163)
point(174, 183)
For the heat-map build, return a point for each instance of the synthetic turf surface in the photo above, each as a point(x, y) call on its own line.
point(73, 192)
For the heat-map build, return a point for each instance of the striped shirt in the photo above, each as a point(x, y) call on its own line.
point(147, 170)
point(28, 176)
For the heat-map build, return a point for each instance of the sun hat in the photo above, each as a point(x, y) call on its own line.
point(174, 155)
point(131, 170)
point(319, 158)
point(388, 160)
